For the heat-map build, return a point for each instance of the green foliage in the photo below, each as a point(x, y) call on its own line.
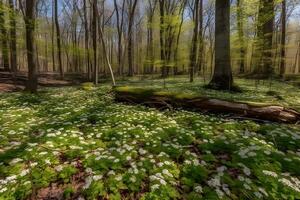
point(121, 151)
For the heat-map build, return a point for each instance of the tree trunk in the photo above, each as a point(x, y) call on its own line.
point(13, 37)
point(94, 37)
point(240, 23)
point(86, 39)
point(130, 49)
point(201, 39)
point(193, 53)
point(162, 37)
point(3, 35)
point(283, 39)
point(58, 40)
point(265, 28)
point(222, 77)
point(30, 13)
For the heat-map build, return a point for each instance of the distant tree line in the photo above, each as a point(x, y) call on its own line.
point(212, 38)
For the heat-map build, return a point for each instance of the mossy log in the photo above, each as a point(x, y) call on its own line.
point(160, 100)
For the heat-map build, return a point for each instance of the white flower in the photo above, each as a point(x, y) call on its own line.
point(247, 186)
point(16, 160)
point(162, 182)
point(97, 177)
point(133, 179)
point(154, 187)
point(111, 172)
point(47, 161)
point(198, 189)
point(24, 172)
point(270, 173)
point(59, 168)
point(88, 182)
point(128, 158)
point(247, 171)
point(166, 172)
point(214, 182)
point(289, 184)
point(219, 193)
point(3, 190)
point(118, 178)
point(33, 164)
point(258, 195)
point(11, 178)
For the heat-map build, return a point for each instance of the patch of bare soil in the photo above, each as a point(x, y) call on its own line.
point(56, 190)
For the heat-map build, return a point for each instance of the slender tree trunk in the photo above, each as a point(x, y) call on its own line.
point(107, 56)
point(13, 37)
point(240, 23)
point(200, 59)
point(52, 40)
point(162, 37)
point(283, 38)
point(30, 14)
point(193, 53)
point(86, 39)
point(94, 37)
point(58, 40)
point(3, 35)
point(222, 77)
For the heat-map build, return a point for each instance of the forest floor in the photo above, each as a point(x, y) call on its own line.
point(76, 142)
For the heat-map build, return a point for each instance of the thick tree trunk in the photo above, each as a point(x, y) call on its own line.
point(58, 40)
point(265, 28)
point(222, 77)
point(242, 110)
point(130, 49)
point(3, 37)
point(283, 38)
point(30, 13)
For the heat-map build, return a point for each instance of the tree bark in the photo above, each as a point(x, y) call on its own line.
point(283, 38)
point(200, 59)
point(30, 14)
point(162, 37)
point(242, 110)
point(222, 77)
point(240, 23)
point(194, 44)
point(94, 37)
point(3, 37)
point(130, 50)
point(13, 38)
point(58, 40)
point(86, 39)
point(265, 28)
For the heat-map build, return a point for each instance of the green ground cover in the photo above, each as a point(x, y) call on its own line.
point(76, 137)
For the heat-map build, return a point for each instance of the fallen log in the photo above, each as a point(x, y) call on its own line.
point(160, 100)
